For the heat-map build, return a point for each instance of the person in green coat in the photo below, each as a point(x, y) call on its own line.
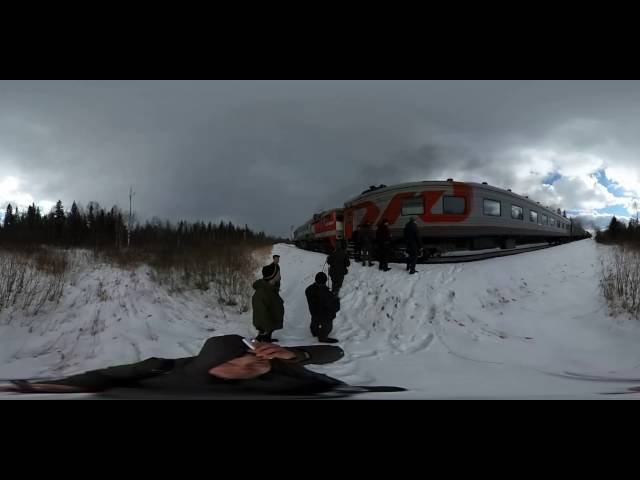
point(268, 306)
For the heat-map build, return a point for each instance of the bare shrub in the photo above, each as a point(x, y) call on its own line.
point(29, 278)
point(620, 279)
point(224, 270)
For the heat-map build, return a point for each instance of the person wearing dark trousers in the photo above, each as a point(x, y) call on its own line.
point(323, 306)
point(225, 365)
point(383, 242)
point(365, 235)
point(268, 306)
point(339, 264)
point(413, 243)
point(356, 246)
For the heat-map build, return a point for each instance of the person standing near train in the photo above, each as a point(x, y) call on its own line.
point(365, 235)
point(383, 244)
point(413, 243)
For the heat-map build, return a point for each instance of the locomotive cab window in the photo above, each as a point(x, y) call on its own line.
point(517, 212)
point(544, 219)
point(453, 205)
point(413, 206)
point(552, 222)
point(533, 216)
point(491, 208)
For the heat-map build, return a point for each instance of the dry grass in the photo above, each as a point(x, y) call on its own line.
point(620, 279)
point(224, 270)
point(31, 278)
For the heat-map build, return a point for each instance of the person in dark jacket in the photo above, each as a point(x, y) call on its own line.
point(225, 365)
point(356, 245)
point(365, 235)
point(339, 264)
point(268, 306)
point(413, 243)
point(276, 263)
point(323, 306)
point(383, 243)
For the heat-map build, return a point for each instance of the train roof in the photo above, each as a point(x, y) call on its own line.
point(436, 183)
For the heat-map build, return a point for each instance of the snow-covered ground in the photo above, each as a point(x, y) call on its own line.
point(525, 326)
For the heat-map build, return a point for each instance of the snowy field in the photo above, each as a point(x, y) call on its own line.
point(525, 326)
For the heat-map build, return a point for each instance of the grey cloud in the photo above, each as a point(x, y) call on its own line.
point(271, 153)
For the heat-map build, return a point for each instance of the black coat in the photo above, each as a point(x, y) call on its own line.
point(383, 236)
point(355, 238)
point(323, 305)
point(412, 237)
point(338, 264)
point(190, 374)
point(285, 376)
point(365, 236)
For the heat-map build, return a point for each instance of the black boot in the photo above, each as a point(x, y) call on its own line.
point(328, 340)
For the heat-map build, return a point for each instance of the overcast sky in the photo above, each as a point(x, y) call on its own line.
point(272, 153)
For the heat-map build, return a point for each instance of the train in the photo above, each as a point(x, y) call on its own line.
point(450, 215)
point(322, 232)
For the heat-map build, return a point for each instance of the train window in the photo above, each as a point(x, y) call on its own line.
point(453, 205)
point(544, 219)
point(413, 206)
point(492, 208)
point(533, 216)
point(552, 222)
point(517, 212)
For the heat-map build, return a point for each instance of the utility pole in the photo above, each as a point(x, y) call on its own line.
point(131, 194)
